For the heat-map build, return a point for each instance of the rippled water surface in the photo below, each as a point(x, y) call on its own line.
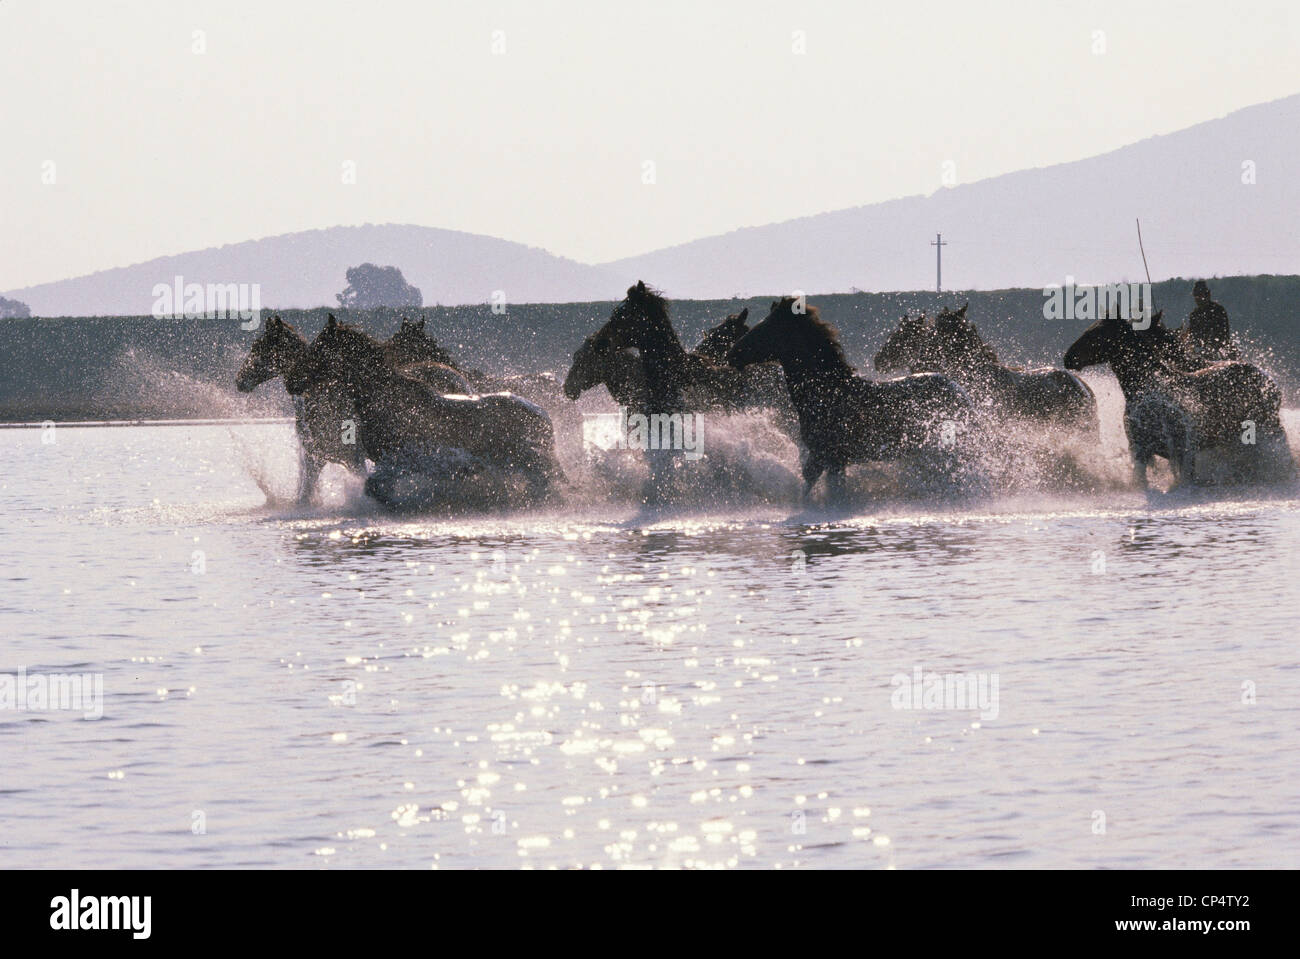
point(601, 687)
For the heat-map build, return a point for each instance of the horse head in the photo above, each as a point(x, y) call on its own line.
point(590, 365)
point(341, 355)
point(411, 344)
point(958, 343)
point(1107, 340)
point(640, 321)
point(907, 347)
point(716, 342)
point(598, 361)
point(794, 335)
point(274, 351)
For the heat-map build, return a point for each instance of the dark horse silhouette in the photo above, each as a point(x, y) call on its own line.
point(1231, 406)
point(320, 412)
point(717, 342)
point(951, 346)
point(844, 418)
point(599, 362)
point(637, 353)
point(403, 419)
point(413, 344)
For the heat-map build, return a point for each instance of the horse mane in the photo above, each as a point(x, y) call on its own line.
point(952, 324)
point(651, 307)
point(815, 338)
point(280, 327)
point(352, 339)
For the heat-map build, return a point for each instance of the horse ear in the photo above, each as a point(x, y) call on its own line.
point(962, 311)
point(420, 325)
point(331, 323)
point(744, 315)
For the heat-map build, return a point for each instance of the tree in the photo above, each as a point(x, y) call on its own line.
point(13, 310)
point(370, 286)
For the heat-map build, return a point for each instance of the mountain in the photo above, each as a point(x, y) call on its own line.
point(307, 269)
point(1031, 228)
point(1034, 227)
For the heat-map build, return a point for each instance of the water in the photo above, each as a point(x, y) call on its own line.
point(602, 687)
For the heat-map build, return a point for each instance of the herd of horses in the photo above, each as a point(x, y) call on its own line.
point(950, 393)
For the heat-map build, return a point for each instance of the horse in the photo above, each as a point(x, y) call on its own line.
point(1175, 413)
point(414, 351)
point(717, 342)
point(404, 419)
point(597, 361)
point(319, 413)
point(952, 346)
point(844, 418)
point(677, 381)
point(412, 344)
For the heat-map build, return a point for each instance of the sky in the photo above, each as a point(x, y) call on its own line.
point(593, 130)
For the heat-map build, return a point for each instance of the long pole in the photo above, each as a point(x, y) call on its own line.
point(1143, 249)
point(938, 245)
point(1149, 306)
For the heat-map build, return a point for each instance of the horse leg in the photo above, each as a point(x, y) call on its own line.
point(812, 471)
point(836, 484)
point(661, 468)
point(309, 467)
point(357, 460)
point(542, 469)
point(1141, 460)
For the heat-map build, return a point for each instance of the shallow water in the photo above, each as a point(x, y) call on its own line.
point(599, 686)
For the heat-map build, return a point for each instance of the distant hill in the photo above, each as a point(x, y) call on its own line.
point(1034, 227)
point(1025, 229)
point(308, 269)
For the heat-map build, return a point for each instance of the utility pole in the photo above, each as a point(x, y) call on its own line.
point(938, 244)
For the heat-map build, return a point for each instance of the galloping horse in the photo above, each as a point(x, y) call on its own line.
point(412, 344)
point(319, 413)
point(401, 417)
point(844, 418)
point(413, 351)
point(1175, 414)
point(640, 333)
point(717, 342)
point(951, 346)
point(598, 361)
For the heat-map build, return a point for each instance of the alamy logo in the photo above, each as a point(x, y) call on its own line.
point(102, 912)
point(213, 301)
point(1128, 301)
point(924, 690)
point(639, 431)
point(39, 692)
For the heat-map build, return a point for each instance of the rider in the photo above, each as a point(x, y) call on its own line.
point(1206, 331)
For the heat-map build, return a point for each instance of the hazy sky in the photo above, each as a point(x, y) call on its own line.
point(157, 149)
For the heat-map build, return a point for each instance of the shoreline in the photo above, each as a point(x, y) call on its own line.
point(171, 421)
